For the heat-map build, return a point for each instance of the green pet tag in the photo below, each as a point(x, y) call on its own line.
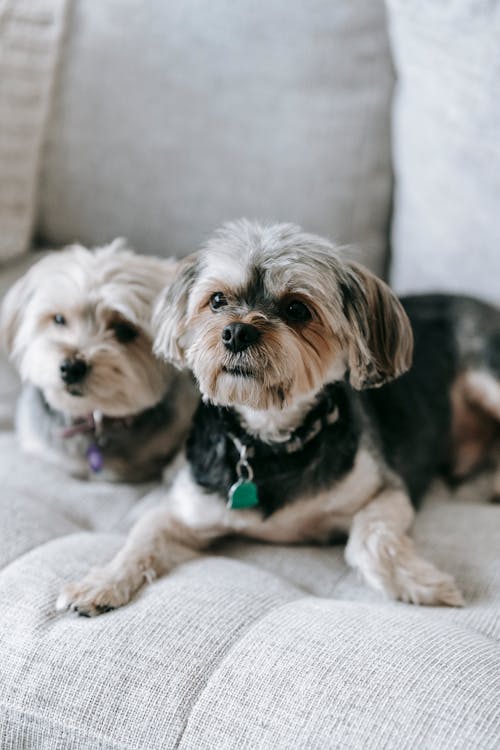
point(243, 494)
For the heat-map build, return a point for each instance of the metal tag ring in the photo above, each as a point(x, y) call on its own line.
point(244, 465)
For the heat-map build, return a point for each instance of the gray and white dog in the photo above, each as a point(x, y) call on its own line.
point(96, 400)
point(314, 420)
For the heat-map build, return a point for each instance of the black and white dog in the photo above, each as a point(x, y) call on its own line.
point(301, 434)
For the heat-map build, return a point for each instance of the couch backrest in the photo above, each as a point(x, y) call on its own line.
point(171, 117)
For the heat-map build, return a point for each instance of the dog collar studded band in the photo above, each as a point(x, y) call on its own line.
point(295, 443)
point(243, 493)
point(298, 442)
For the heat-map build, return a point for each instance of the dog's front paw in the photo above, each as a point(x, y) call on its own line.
point(422, 583)
point(97, 593)
point(390, 564)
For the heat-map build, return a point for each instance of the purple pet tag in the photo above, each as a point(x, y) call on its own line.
point(94, 458)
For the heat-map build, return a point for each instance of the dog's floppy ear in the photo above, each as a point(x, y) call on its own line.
point(170, 312)
point(12, 310)
point(380, 337)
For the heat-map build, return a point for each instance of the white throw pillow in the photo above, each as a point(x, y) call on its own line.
point(446, 230)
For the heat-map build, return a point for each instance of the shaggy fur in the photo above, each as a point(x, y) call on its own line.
point(280, 331)
point(93, 308)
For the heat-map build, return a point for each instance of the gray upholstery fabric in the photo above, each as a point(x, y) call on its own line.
point(253, 646)
point(446, 231)
point(171, 117)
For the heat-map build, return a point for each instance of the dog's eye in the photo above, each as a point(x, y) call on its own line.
point(296, 311)
point(59, 320)
point(217, 300)
point(124, 332)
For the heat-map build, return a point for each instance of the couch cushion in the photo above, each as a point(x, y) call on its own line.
point(342, 675)
point(251, 646)
point(170, 118)
point(446, 230)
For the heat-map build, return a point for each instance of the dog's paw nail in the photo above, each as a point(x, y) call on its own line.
point(453, 598)
point(62, 603)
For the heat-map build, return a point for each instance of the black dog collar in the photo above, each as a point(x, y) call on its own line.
point(243, 493)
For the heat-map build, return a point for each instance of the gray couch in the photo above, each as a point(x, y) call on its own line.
point(157, 121)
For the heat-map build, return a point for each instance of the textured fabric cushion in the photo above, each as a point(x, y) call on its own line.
point(446, 231)
point(253, 646)
point(171, 117)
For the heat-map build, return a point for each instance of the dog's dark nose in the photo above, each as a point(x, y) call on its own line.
point(239, 336)
point(73, 370)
